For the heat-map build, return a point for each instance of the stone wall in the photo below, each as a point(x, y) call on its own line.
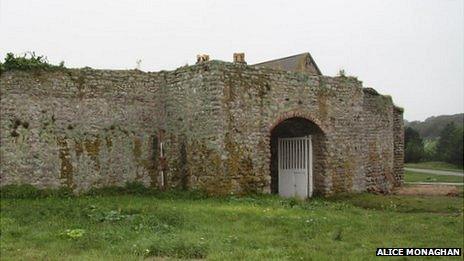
point(193, 129)
point(398, 146)
point(92, 128)
point(378, 146)
point(79, 128)
point(357, 142)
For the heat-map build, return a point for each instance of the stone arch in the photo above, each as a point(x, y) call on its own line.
point(297, 114)
point(294, 124)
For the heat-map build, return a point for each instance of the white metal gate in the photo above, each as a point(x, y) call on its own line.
point(295, 167)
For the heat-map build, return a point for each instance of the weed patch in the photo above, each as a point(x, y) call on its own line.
point(73, 233)
point(174, 247)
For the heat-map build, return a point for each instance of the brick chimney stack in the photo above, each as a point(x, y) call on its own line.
point(239, 58)
point(202, 58)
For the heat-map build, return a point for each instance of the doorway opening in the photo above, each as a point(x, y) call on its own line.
point(297, 158)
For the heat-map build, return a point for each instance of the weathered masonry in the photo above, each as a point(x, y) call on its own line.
point(216, 126)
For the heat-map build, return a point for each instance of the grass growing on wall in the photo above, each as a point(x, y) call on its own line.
point(173, 225)
point(27, 61)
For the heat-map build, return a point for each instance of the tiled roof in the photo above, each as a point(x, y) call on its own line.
point(296, 63)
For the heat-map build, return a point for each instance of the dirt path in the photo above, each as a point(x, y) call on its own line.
point(437, 172)
point(427, 190)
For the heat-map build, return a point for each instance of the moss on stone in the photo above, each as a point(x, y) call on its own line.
point(205, 167)
point(137, 148)
point(92, 147)
point(348, 166)
point(66, 169)
point(241, 101)
point(78, 147)
point(240, 166)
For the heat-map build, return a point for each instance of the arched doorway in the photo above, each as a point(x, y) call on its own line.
point(297, 153)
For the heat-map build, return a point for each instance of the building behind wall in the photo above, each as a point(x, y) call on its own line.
point(209, 126)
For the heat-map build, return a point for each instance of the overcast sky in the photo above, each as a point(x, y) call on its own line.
point(412, 50)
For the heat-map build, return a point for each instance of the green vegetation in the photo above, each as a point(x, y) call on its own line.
point(430, 150)
point(29, 191)
point(431, 128)
point(438, 165)
point(28, 61)
point(413, 145)
point(403, 204)
point(449, 147)
point(410, 176)
point(188, 225)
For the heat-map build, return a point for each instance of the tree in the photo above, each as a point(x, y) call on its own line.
point(414, 146)
point(450, 144)
point(446, 142)
point(430, 150)
point(457, 150)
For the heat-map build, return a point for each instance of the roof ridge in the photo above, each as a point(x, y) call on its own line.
point(291, 56)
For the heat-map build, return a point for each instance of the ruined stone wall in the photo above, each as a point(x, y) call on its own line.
point(379, 141)
point(194, 134)
point(92, 128)
point(398, 145)
point(355, 152)
point(79, 128)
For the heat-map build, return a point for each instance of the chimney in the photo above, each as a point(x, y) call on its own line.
point(239, 58)
point(202, 58)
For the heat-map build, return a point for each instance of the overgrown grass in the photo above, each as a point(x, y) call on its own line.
point(29, 191)
point(130, 188)
point(410, 176)
point(438, 165)
point(172, 225)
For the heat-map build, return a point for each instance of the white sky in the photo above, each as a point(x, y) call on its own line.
point(412, 50)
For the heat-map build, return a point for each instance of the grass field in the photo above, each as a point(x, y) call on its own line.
point(438, 165)
point(410, 176)
point(129, 227)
